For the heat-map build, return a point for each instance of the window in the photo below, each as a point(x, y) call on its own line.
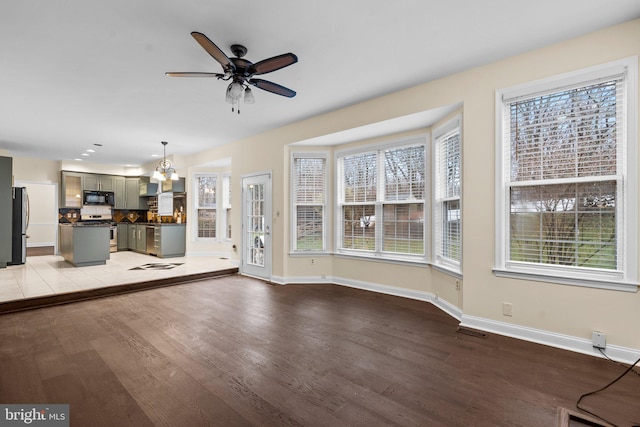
point(568, 190)
point(309, 188)
point(226, 205)
point(206, 205)
point(447, 190)
point(381, 201)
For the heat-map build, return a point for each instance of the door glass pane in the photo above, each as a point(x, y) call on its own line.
point(255, 217)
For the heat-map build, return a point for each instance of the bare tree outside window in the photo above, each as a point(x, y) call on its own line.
point(564, 177)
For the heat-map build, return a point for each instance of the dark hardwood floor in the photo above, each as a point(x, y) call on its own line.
point(238, 352)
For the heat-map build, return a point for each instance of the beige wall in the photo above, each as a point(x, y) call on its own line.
point(36, 170)
point(559, 309)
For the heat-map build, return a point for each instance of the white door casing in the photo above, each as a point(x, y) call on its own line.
point(256, 226)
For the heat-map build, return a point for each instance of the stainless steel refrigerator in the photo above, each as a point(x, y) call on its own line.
point(19, 224)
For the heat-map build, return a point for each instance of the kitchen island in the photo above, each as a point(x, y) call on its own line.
point(83, 245)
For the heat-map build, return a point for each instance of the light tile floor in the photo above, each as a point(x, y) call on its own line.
point(51, 274)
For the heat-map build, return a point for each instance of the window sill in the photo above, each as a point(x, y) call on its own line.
point(571, 281)
point(448, 270)
point(303, 254)
point(386, 258)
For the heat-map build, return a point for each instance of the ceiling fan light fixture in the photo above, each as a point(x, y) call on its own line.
point(241, 72)
point(228, 98)
point(248, 96)
point(236, 89)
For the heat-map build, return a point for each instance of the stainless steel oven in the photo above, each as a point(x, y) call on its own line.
point(113, 238)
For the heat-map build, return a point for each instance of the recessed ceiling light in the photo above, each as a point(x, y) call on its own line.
point(78, 160)
point(91, 151)
point(154, 155)
point(85, 154)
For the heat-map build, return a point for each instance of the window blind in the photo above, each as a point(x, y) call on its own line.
point(448, 184)
point(565, 176)
point(309, 198)
point(359, 179)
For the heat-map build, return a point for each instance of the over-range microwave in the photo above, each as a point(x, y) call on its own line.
point(98, 198)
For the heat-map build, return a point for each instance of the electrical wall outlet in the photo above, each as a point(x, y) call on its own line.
point(598, 339)
point(507, 309)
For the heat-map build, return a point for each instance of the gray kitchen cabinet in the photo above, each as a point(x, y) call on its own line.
point(147, 189)
point(6, 209)
point(71, 189)
point(123, 237)
point(177, 186)
point(131, 239)
point(170, 240)
point(120, 195)
point(132, 196)
point(98, 182)
point(137, 240)
point(141, 238)
point(84, 245)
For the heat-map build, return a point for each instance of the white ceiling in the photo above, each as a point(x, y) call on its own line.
point(75, 73)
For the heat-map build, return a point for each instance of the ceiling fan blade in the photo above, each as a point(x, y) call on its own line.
point(273, 87)
point(192, 74)
point(268, 65)
point(214, 51)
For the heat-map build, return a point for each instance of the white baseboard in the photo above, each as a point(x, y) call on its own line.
point(40, 245)
point(552, 339)
point(443, 305)
point(210, 253)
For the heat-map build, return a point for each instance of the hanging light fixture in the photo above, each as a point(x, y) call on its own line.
point(237, 91)
point(164, 169)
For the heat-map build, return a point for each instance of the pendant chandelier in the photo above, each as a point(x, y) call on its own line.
point(164, 170)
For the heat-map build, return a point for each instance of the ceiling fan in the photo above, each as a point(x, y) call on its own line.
point(240, 72)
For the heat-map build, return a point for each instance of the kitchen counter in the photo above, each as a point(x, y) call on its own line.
point(84, 244)
point(164, 240)
point(159, 223)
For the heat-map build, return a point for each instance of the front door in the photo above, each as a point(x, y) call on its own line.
point(256, 226)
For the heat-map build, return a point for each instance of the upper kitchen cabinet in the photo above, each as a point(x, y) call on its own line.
point(99, 182)
point(71, 190)
point(177, 186)
point(127, 193)
point(132, 194)
point(120, 196)
point(147, 189)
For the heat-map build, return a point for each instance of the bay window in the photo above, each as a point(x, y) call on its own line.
point(447, 244)
point(309, 188)
point(381, 201)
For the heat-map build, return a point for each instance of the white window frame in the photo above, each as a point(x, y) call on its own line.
point(294, 205)
point(380, 149)
point(226, 207)
point(196, 205)
point(625, 279)
point(440, 133)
